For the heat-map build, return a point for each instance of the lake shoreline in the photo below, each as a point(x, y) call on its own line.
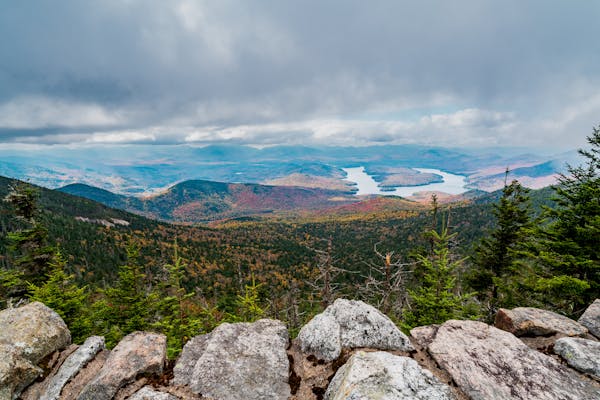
point(366, 184)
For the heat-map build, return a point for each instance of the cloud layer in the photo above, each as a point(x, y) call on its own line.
point(322, 72)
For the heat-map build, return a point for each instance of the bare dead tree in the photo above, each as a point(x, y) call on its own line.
point(292, 310)
point(325, 283)
point(386, 282)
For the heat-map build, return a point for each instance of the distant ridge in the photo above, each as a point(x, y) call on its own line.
point(198, 201)
point(105, 197)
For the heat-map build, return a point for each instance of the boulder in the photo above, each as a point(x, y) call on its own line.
point(27, 335)
point(71, 366)
point(591, 318)
point(491, 364)
point(528, 321)
point(139, 353)
point(16, 373)
point(382, 375)
point(350, 324)
point(581, 354)
point(239, 361)
point(191, 353)
point(147, 393)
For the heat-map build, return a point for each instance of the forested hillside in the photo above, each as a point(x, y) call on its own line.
point(199, 201)
point(419, 265)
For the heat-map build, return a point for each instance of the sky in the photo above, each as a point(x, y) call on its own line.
point(323, 72)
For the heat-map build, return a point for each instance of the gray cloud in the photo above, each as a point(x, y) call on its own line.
point(264, 72)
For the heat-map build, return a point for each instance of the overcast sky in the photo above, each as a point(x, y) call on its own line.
point(459, 73)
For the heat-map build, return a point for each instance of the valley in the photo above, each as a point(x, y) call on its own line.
point(150, 170)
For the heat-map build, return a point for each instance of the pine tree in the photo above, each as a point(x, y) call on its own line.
point(61, 294)
point(175, 322)
point(248, 304)
point(11, 283)
point(567, 251)
point(495, 255)
point(128, 306)
point(30, 243)
point(435, 301)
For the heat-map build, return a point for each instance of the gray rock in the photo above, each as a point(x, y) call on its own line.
point(27, 335)
point(350, 324)
point(137, 353)
point(491, 364)
point(591, 318)
point(16, 373)
point(87, 374)
point(192, 351)
point(581, 354)
point(241, 361)
point(322, 337)
point(147, 393)
point(382, 375)
point(72, 365)
point(528, 321)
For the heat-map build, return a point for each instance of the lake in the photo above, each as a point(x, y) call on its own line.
point(452, 184)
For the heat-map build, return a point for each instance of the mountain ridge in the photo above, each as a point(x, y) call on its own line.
point(203, 201)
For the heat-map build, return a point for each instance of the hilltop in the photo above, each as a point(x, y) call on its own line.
point(202, 201)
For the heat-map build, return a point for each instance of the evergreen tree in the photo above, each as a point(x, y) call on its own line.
point(61, 294)
point(128, 306)
point(175, 322)
point(11, 283)
point(436, 300)
point(30, 243)
point(495, 255)
point(566, 253)
point(248, 304)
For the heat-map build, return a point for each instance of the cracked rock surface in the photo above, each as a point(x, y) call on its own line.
point(490, 364)
point(137, 353)
point(244, 361)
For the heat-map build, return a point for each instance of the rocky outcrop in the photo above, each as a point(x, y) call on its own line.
point(348, 324)
point(591, 318)
point(71, 366)
point(581, 354)
point(491, 364)
point(147, 393)
point(136, 354)
point(27, 335)
point(528, 321)
point(338, 355)
point(381, 375)
point(238, 361)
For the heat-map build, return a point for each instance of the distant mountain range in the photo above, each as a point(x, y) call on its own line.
point(137, 170)
point(203, 201)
